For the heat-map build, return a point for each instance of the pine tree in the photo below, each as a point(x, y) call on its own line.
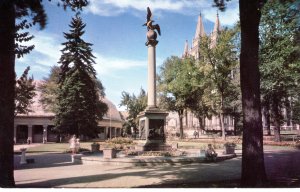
point(10, 11)
point(79, 106)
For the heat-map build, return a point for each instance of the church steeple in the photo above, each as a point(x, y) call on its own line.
point(200, 28)
point(216, 31)
point(200, 32)
point(186, 49)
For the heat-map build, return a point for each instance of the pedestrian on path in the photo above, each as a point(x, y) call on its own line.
point(72, 142)
point(77, 145)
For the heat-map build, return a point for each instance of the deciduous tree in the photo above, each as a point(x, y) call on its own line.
point(279, 58)
point(175, 86)
point(134, 105)
point(219, 61)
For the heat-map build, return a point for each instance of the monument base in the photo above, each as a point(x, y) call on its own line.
point(152, 124)
point(154, 145)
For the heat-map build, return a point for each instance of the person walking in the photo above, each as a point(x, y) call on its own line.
point(72, 142)
point(77, 145)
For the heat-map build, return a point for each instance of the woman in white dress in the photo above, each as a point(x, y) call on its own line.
point(72, 142)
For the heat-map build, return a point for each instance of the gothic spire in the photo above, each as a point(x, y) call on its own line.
point(217, 27)
point(186, 49)
point(200, 28)
point(216, 31)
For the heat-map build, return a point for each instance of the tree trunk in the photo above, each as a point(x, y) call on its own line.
point(234, 125)
point(221, 115)
point(186, 118)
point(7, 93)
point(266, 112)
point(288, 111)
point(253, 168)
point(201, 122)
point(276, 116)
point(180, 114)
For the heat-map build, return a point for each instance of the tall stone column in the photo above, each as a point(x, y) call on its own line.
point(152, 121)
point(151, 76)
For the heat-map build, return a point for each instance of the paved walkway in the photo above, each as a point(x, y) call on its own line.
point(56, 170)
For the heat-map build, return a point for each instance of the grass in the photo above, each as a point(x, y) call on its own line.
point(55, 147)
point(194, 144)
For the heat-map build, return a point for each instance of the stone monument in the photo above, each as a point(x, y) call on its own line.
point(152, 121)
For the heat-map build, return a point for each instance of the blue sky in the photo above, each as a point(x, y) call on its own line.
point(114, 27)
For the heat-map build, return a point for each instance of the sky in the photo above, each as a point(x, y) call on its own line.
point(114, 27)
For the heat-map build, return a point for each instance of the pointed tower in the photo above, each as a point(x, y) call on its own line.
point(186, 50)
point(199, 33)
point(216, 31)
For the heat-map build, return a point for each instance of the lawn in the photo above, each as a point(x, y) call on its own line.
point(56, 147)
point(64, 147)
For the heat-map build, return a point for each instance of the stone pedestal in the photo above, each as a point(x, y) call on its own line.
point(152, 129)
point(23, 157)
point(109, 153)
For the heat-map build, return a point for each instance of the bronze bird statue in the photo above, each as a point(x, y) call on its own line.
point(149, 22)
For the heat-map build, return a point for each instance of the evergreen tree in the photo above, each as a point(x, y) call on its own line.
point(10, 11)
point(79, 106)
point(25, 91)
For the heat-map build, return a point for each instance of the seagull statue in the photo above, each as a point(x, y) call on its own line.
point(149, 22)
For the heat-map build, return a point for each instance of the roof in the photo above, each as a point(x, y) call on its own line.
point(37, 109)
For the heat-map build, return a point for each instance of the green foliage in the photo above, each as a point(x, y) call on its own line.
point(16, 15)
point(25, 91)
point(119, 143)
point(78, 101)
point(49, 90)
point(176, 83)
point(279, 56)
point(134, 105)
point(120, 140)
point(219, 64)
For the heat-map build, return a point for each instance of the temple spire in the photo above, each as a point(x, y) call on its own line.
point(217, 27)
point(216, 31)
point(200, 28)
point(186, 49)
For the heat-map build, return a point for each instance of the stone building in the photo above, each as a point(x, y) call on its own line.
point(190, 122)
point(37, 126)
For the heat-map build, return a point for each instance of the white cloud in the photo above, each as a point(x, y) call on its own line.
point(47, 53)
point(107, 66)
point(229, 17)
point(185, 7)
point(112, 7)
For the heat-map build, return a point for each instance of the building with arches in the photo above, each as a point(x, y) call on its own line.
point(37, 126)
